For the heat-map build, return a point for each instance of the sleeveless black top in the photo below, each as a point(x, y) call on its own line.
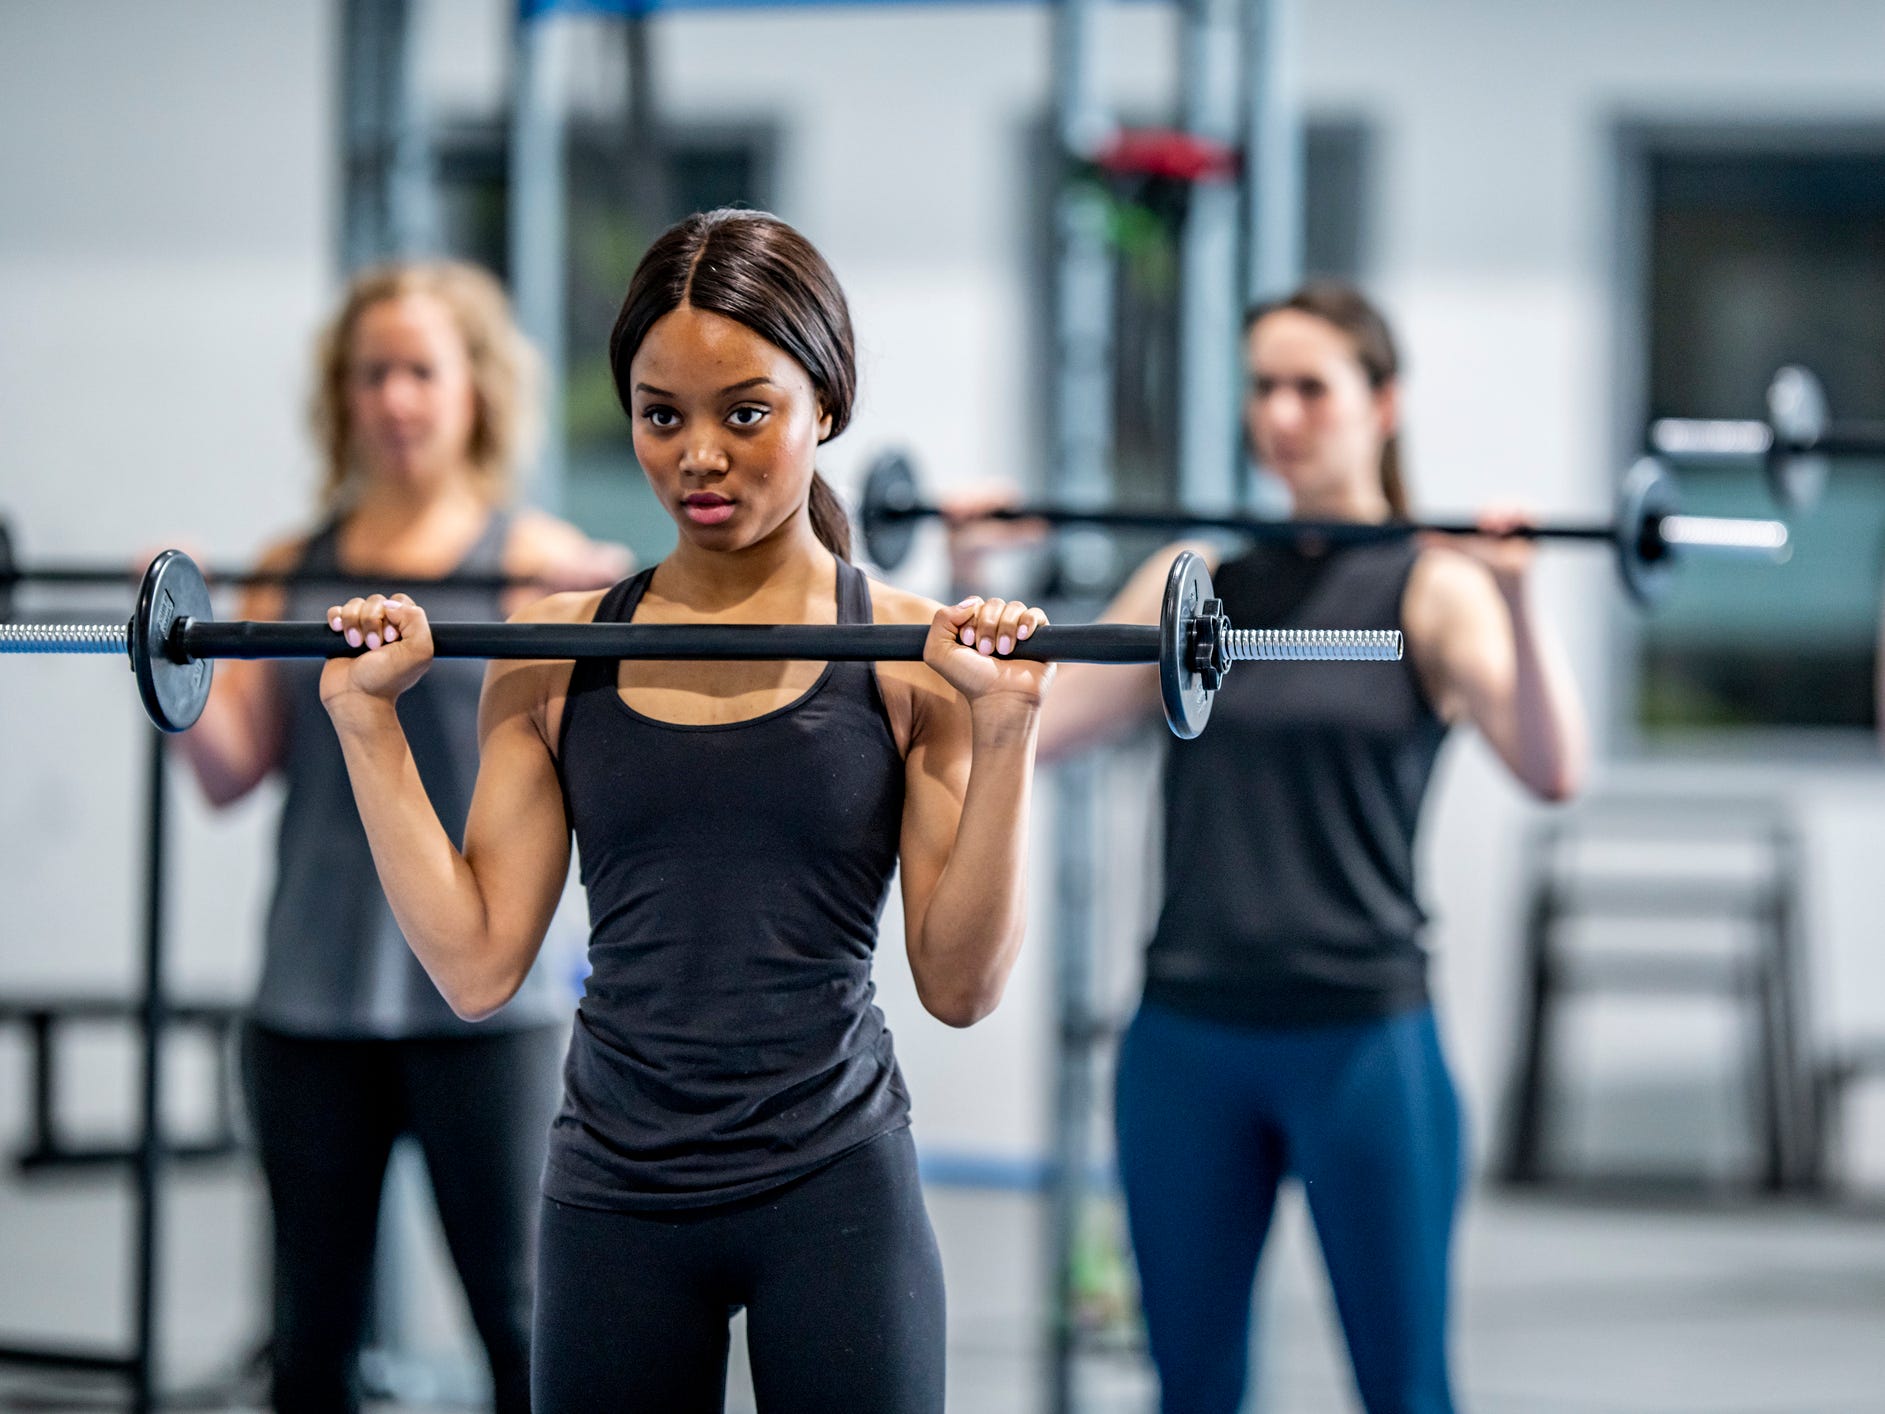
point(727, 1040)
point(1289, 824)
point(335, 964)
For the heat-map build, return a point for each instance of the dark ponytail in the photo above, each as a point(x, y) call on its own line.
point(752, 268)
point(1349, 310)
point(830, 522)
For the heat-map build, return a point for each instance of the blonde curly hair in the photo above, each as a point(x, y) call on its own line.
point(505, 373)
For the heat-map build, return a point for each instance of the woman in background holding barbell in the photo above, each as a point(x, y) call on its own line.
point(735, 1128)
point(424, 406)
point(1286, 1026)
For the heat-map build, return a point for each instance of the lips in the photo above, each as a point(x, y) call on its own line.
point(706, 508)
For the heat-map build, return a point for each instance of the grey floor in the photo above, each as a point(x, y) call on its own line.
point(1565, 1307)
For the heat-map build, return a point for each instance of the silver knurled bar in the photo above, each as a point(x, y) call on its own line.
point(1339, 645)
point(65, 638)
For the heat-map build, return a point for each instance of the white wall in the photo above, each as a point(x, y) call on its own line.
point(167, 223)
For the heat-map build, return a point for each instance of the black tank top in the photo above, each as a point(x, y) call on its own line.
point(727, 1040)
point(1289, 824)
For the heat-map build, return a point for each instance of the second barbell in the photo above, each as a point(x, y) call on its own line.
point(1648, 534)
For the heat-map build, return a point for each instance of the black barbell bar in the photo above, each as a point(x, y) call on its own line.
point(75, 573)
point(1648, 533)
point(172, 641)
point(1796, 442)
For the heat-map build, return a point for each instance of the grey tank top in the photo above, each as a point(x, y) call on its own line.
point(335, 963)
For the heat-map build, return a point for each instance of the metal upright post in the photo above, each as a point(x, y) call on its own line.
point(537, 219)
point(1075, 1034)
point(1273, 150)
point(1210, 283)
point(1083, 311)
point(391, 205)
point(150, 1143)
point(649, 198)
point(1082, 467)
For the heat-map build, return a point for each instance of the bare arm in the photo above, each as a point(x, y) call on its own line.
point(240, 736)
point(1096, 703)
point(561, 557)
point(969, 781)
point(476, 918)
point(1484, 657)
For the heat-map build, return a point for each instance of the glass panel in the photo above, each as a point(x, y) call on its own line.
point(1760, 259)
point(604, 491)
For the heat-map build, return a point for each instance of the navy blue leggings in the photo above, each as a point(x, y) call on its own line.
point(1211, 1117)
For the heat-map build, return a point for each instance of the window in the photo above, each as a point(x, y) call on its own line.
point(1757, 258)
point(1147, 231)
point(612, 218)
point(610, 225)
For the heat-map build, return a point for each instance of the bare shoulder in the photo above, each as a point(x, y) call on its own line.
point(576, 607)
point(283, 554)
point(1444, 584)
point(542, 546)
point(891, 605)
point(534, 532)
point(1143, 595)
point(533, 688)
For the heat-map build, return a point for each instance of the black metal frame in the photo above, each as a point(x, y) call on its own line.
point(137, 1366)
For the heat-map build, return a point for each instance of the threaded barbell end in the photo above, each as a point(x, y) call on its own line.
point(1318, 645)
point(64, 638)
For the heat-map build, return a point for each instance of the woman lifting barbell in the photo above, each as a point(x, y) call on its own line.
point(423, 408)
point(1286, 1026)
point(735, 1129)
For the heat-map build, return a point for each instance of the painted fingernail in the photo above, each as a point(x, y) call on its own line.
point(1024, 630)
point(1004, 644)
point(391, 633)
point(968, 636)
point(334, 623)
point(373, 640)
point(984, 647)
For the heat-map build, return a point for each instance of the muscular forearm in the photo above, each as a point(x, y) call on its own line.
point(1548, 749)
point(971, 932)
point(433, 891)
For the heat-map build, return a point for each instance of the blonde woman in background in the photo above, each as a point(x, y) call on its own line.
point(424, 406)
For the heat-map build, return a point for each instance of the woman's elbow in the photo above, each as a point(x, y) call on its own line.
point(477, 998)
point(1560, 785)
point(959, 1006)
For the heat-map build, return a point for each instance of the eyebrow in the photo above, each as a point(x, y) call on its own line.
point(760, 381)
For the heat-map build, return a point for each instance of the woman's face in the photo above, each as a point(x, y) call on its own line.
point(1309, 411)
point(727, 426)
point(410, 400)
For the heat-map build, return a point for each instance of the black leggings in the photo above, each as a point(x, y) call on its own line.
point(838, 1272)
point(325, 1115)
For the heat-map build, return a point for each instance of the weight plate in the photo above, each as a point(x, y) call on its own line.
point(173, 692)
point(1187, 700)
point(1644, 563)
point(889, 487)
point(1796, 409)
